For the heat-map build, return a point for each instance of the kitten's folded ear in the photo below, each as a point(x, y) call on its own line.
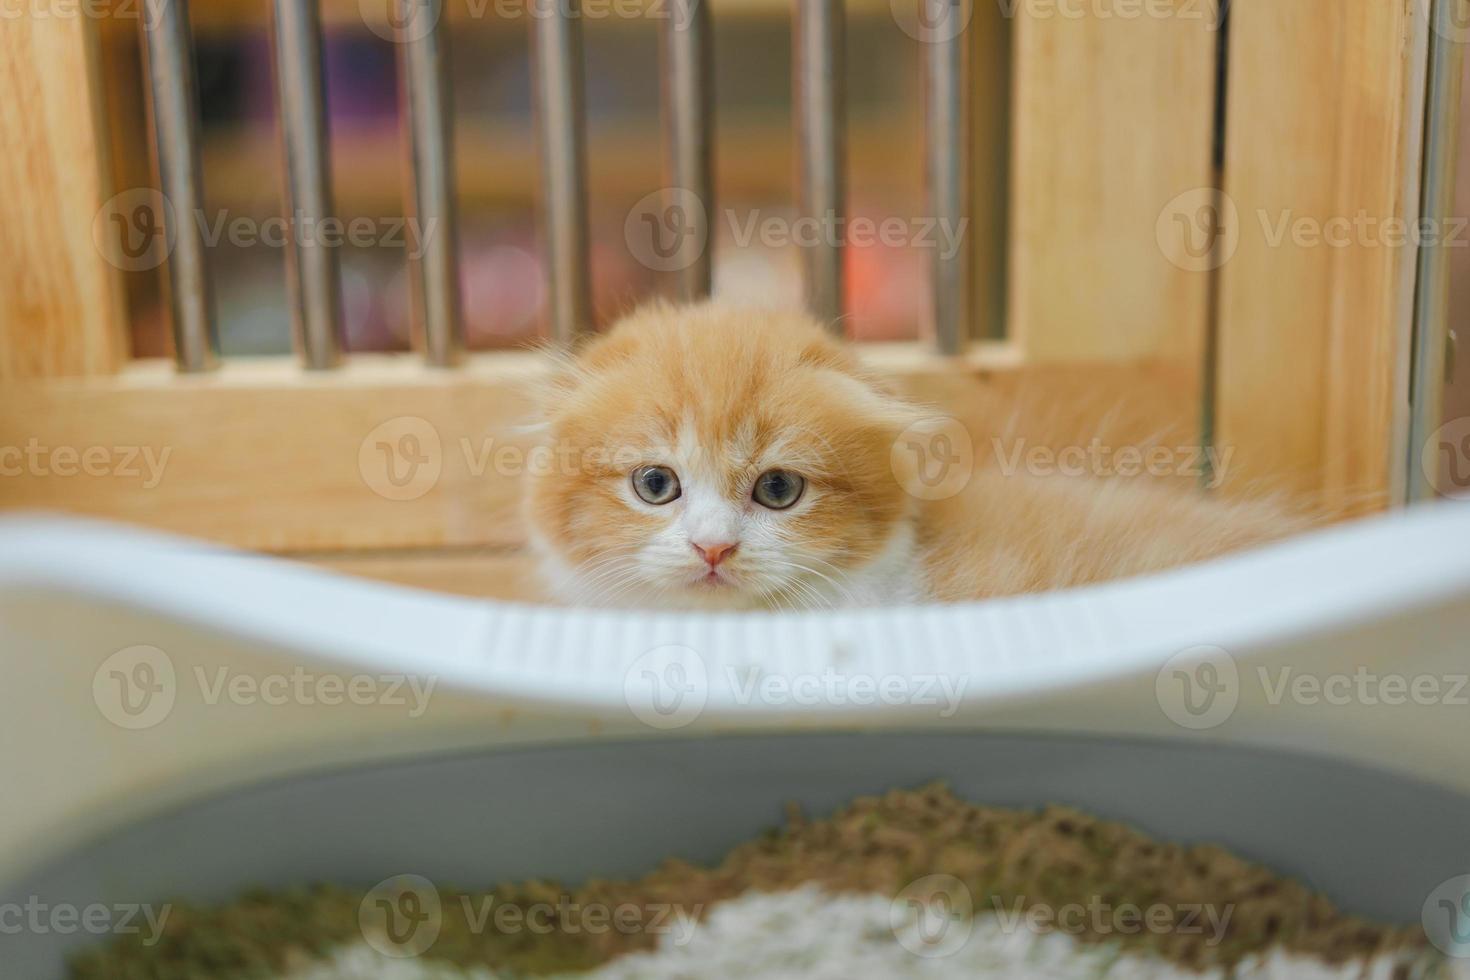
point(877, 404)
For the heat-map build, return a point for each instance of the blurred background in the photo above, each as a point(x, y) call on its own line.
point(497, 170)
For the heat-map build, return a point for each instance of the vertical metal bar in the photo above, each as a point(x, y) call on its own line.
point(688, 124)
point(169, 51)
point(947, 100)
point(1431, 331)
point(313, 278)
point(821, 127)
point(429, 118)
point(561, 135)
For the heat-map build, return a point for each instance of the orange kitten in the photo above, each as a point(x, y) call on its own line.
point(719, 458)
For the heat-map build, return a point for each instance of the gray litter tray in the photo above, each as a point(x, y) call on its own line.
point(1377, 844)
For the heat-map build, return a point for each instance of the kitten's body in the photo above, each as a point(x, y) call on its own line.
point(718, 399)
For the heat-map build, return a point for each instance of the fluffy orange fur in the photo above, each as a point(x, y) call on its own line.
point(720, 396)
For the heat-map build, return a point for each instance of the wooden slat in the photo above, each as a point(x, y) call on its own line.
point(1325, 110)
point(63, 310)
point(1113, 108)
point(990, 77)
point(266, 456)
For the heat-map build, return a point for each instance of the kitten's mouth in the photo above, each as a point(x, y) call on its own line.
point(712, 579)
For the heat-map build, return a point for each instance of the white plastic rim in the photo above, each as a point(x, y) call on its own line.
point(142, 670)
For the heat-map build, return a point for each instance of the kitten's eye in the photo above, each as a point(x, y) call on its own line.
point(656, 484)
point(778, 489)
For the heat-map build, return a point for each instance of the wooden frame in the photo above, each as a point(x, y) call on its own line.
point(1309, 374)
point(1326, 106)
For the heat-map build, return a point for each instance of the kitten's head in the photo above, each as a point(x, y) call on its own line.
point(707, 457)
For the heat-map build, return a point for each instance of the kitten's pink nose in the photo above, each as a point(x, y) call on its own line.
point(713, 553)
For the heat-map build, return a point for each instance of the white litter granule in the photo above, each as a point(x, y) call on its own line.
point(815, 935)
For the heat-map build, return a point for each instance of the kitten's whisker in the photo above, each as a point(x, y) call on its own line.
point(840, 588)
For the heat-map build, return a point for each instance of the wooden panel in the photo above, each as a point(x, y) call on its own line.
point(265, 456)
point(63, 308)
point(384, 453)
point(990, 84)
point(494, 574)
point(1325, 119)
point(1112, 121)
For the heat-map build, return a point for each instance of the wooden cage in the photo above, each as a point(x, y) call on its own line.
point(1155, 212)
